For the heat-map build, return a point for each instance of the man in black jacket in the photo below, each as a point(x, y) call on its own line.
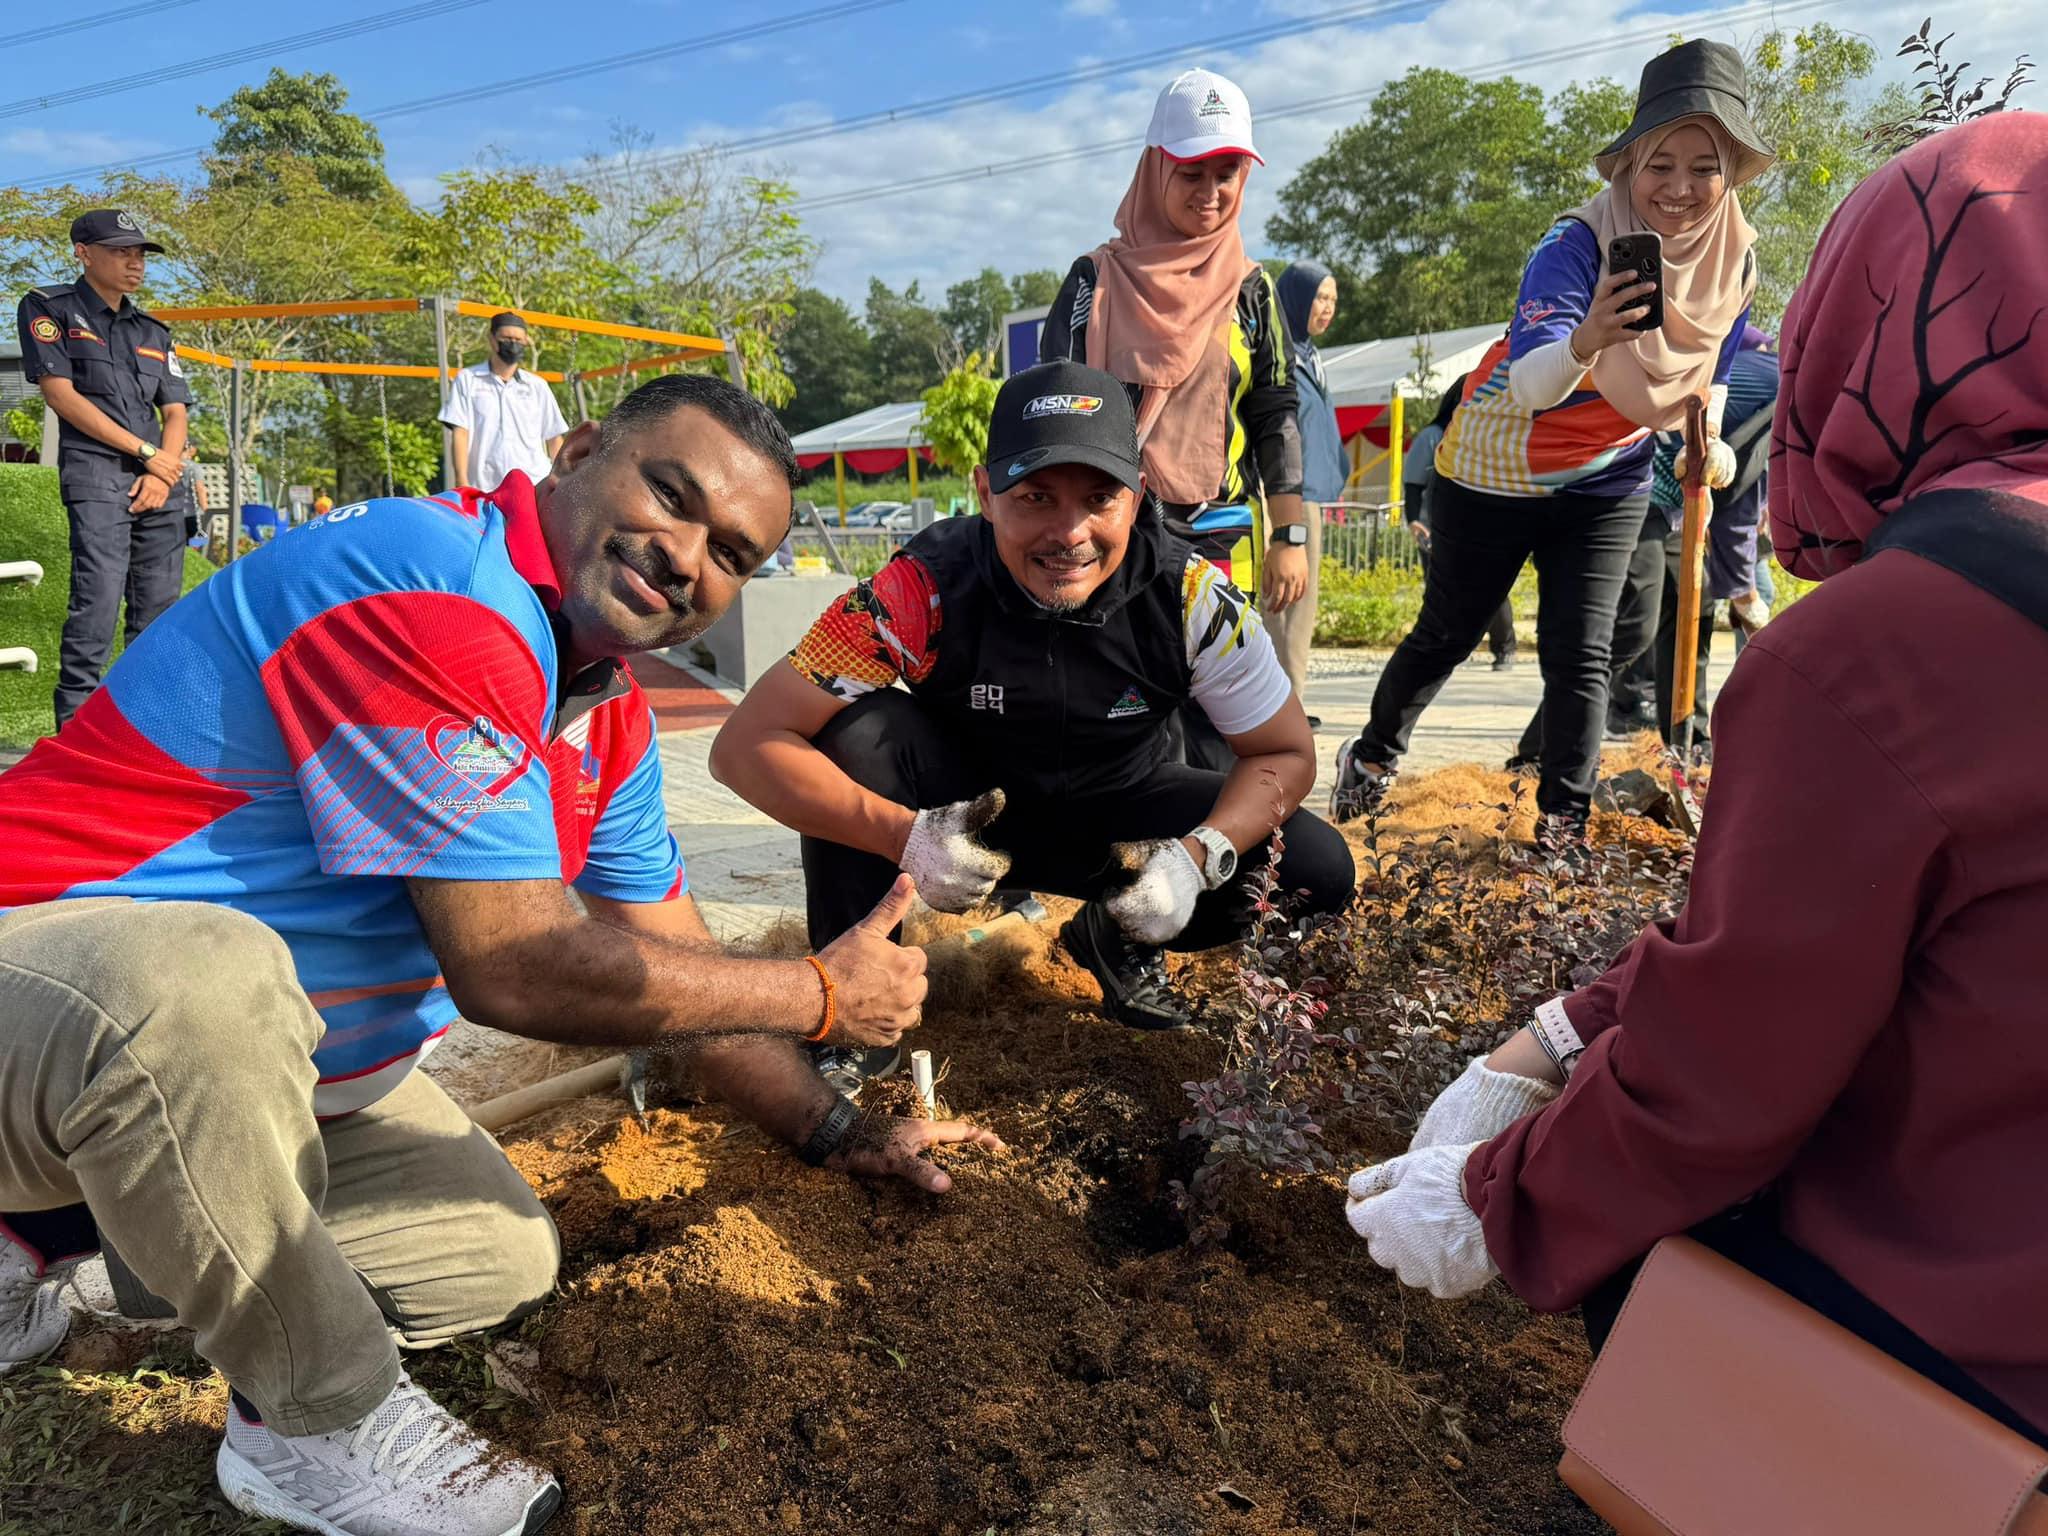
point(1043, 648)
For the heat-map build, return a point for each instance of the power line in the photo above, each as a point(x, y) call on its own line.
point(1761, 12)
point(333, 34)
point(782, 137)
point(504, 87)
point(910, 112)
point(105, 18)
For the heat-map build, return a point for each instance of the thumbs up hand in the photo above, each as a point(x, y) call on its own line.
point(879, 986)
point(945, 855)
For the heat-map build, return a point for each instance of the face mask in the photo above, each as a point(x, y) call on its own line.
point(511, 351)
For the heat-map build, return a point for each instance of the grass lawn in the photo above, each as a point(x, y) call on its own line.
point(32, 527)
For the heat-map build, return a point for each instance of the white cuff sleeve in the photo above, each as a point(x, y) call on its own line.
point(1544, 377)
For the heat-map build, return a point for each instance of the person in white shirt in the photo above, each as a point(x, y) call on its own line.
point(504, 417)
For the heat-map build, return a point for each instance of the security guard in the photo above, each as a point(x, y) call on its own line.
point(108, 371)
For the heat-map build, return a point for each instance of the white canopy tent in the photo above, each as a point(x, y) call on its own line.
point(871, 441)
point(1369, 372)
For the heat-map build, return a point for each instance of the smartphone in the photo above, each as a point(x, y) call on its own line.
point(1642, 254)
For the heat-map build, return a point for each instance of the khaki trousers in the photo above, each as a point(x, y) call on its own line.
point(156, 1065)
point(1294, 630)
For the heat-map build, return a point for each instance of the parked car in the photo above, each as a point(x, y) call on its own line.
point(870, 514)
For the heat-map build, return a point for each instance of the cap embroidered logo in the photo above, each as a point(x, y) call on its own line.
point(1212, 105)
point(123, 221)
point(1063, 405)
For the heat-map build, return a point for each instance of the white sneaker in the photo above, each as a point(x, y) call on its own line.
point(33, 1317)
point(409, 1468)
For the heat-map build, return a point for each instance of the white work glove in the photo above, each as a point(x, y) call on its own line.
point(1161, 895)
point(1749, 612)
point(1720, 470)
point(951, 866)
point(1411, 1211)
point(1480, 1105)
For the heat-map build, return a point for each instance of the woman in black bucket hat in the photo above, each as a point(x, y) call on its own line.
point(1548, 454)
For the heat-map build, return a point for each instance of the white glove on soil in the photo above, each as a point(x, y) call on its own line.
point(1411, 1211)
point(1480, 1105)
point(952, 867)
point(1720, 471)
point(1161, 896)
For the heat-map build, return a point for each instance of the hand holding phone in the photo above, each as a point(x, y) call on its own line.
point(1643, 255)
point(1613, 316)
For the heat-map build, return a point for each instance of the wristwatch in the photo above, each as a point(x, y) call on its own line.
point(831, 1131)
point(1221, 863)
point(1295, 534)
point(145, 451)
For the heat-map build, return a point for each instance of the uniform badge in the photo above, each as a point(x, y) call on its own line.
point(45, 330)
point(171, 362)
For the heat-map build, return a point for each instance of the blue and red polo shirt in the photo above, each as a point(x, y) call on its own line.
point(372, 696)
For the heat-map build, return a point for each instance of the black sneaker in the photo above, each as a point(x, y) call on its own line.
point(846, 1067)
point(1361, 786)
point(1503, 661)
point(1135, 990)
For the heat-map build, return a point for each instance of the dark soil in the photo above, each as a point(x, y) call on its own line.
point(745, 1345)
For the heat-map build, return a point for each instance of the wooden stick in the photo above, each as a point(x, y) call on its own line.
point(1691, 573)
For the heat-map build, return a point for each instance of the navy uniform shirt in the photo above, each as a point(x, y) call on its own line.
point(119, 359)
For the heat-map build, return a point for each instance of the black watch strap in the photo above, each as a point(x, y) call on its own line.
point(831, 1131)
point(1294, 534)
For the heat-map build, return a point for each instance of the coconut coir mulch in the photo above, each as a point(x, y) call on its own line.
point(744, 1345)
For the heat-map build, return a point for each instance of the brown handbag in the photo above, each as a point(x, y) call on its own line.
point(1720, 1406)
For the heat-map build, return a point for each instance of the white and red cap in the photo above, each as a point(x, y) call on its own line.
point(1202, 114)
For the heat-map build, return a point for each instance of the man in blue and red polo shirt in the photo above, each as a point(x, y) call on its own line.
point(327, 802)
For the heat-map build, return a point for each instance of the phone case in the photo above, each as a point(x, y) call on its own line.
point(1643, 255)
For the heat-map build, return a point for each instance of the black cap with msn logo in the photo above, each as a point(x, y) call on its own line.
point(1062, 413)
point(110, 226)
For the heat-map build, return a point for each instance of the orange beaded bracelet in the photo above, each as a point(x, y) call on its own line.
point(825, 979)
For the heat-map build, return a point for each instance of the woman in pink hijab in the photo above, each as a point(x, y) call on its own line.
point(1832, 1065)
point(1192, 326)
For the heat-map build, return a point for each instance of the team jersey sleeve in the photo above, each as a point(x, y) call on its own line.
point(414, 722)
point(1238, 679)
point(633, 855)
point(42, 341)
point(457, 412)
point(1557, 287)
point(886, 628)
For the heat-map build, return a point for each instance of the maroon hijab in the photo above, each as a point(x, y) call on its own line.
point(1916, 351)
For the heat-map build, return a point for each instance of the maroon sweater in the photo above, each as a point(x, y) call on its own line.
point(1851, 1005)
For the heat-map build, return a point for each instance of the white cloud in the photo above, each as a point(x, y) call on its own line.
point(1046, 217)
point(65, 148)
point(1089, 8)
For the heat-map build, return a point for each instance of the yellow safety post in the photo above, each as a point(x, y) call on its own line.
point(839, 478)
point(1396, 451)
point(910, 457)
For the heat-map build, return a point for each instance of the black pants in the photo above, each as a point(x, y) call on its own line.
point(1500, 629)
point(1479, 542)
point(1635, 620)
point(1749, 1235)
point(114, 554)
point(888, 743)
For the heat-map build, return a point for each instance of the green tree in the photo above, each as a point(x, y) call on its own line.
point(1437, 195)
point(911, 346)
point(1034, 290)
point(956, 411)
point(974, 312)
point(1803, 96)
point(300, 115)
point(826, 354)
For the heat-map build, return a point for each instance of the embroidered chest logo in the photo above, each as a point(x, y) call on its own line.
point(988, 696)
point(1132, 703)
point(589, 776)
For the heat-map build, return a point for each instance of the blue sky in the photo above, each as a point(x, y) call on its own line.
point(827, 69)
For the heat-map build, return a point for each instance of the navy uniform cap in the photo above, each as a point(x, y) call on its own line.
point(110, 226)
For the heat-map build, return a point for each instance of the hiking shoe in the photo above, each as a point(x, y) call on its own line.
point(407, 1468)
point(1135, 988)
point(846, 1067)
point(33, 1317)
point(1361, 786)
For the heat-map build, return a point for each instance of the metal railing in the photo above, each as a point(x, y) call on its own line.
point(1366, 536)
